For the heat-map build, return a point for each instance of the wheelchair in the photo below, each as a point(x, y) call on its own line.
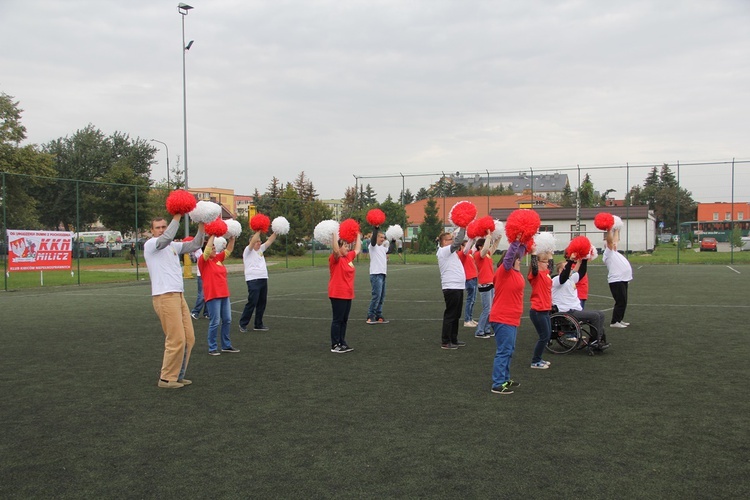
point(570, 334)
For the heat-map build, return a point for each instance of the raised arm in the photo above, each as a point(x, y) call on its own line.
point(358, 244)
point(270, 240)
point(196, 243)
point(209, 251)
point(458, 239)
point(168, 235)
point(230, 246)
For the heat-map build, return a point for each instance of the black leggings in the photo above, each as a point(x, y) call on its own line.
point(619, 291)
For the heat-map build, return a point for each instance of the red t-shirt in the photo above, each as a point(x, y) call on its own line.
point(341, 285)
point(507, 307)
point(541, 290)
point(582, 287)
point(484, 267)
point(214, 276)
point(470, 267)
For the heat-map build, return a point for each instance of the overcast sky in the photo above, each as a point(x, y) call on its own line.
point(350, 88)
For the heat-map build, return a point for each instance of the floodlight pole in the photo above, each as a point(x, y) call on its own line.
point(183, 9)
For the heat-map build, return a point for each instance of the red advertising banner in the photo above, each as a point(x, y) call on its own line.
point(39, 250)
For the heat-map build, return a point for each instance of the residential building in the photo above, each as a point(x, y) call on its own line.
point(551, 185)
point(336, 206)
point(221, 196)
point(721, 211)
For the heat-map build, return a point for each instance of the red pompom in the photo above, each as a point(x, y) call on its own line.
point(485, 224)
point(180, 201)
point(523, 222)
point(215, 228)
point(472, 230)
point(462, 213)
point(260, 223)
point(604, 221)
point(375, 217)
point(348, 230)
point(579, 248)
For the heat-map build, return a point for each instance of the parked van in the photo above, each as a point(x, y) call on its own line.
point(108, 243)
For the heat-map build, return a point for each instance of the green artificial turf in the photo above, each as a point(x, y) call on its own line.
point(662, 414)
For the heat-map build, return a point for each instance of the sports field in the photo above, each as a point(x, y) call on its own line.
point(664, 413)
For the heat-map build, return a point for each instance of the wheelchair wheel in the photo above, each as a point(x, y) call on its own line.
point(566, 334)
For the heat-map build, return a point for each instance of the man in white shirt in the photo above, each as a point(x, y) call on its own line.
point(256, 278)
point(163, 260)
point(619, 274)
point(453, 282)
point(378, 250)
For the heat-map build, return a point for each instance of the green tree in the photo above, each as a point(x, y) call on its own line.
point(83, 161)
point(586, 192)
point(407, 196)
point(567, 199)
point(430, 228)
point(662, 194)
point(27, 165)
point(422, 194)
point(118, 208)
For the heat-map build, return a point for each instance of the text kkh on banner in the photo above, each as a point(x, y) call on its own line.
point(39, 250)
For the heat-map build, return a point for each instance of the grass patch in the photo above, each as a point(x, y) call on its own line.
point(658, 415)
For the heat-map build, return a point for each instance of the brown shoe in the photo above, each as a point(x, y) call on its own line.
point(166, 384)
point(184, 381)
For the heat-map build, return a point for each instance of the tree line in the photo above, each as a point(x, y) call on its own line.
point(88, 177)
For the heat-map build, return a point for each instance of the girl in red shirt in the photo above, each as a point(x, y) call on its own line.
point(341, 290)
point(216, 292)
point(483, 258)
point(541, 303)
point(505, 315)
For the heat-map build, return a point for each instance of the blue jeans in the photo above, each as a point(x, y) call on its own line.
point(200, 304)
point(378, 296)
point(541, 322)
point(257, 297)
point(483, 325)
point(219, 311)
point(505, 338)
point(340, 308)
point(471, 297)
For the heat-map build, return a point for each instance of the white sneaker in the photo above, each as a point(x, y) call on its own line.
point(623, 323)
point(618, 325)
point(470, 324)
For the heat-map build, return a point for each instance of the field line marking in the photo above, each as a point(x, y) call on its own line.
point(733, 269)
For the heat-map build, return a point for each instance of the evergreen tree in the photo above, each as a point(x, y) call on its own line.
point(586, 192)
point(407, 197)
point(422, 194)
point(430, 228)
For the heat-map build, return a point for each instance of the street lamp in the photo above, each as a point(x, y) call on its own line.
point(167, 147)
point(183, 9)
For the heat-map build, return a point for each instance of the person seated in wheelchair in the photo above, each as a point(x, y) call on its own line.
point(565, 298)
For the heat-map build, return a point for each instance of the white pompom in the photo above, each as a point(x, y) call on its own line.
point(544, 243)
point(280, 226)
point(394, 233)
point(234, 228)
point(205, 211)
point(593, 254)
point(499, 230)
point(618, 223)
point(219, 244)
point(325, 231)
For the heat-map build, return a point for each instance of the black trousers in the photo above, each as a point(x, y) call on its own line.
point(619, 291)
point(454, 300)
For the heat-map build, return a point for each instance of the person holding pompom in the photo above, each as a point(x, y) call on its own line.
point(505, 315)
point(619, 274)
point(565, 297)
point(378, 249)
point(216, 291)
point(452, 282)
point(341, 288)
point(162, 255)
point(483, 258)
point(256, 278)
point(541, 304)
